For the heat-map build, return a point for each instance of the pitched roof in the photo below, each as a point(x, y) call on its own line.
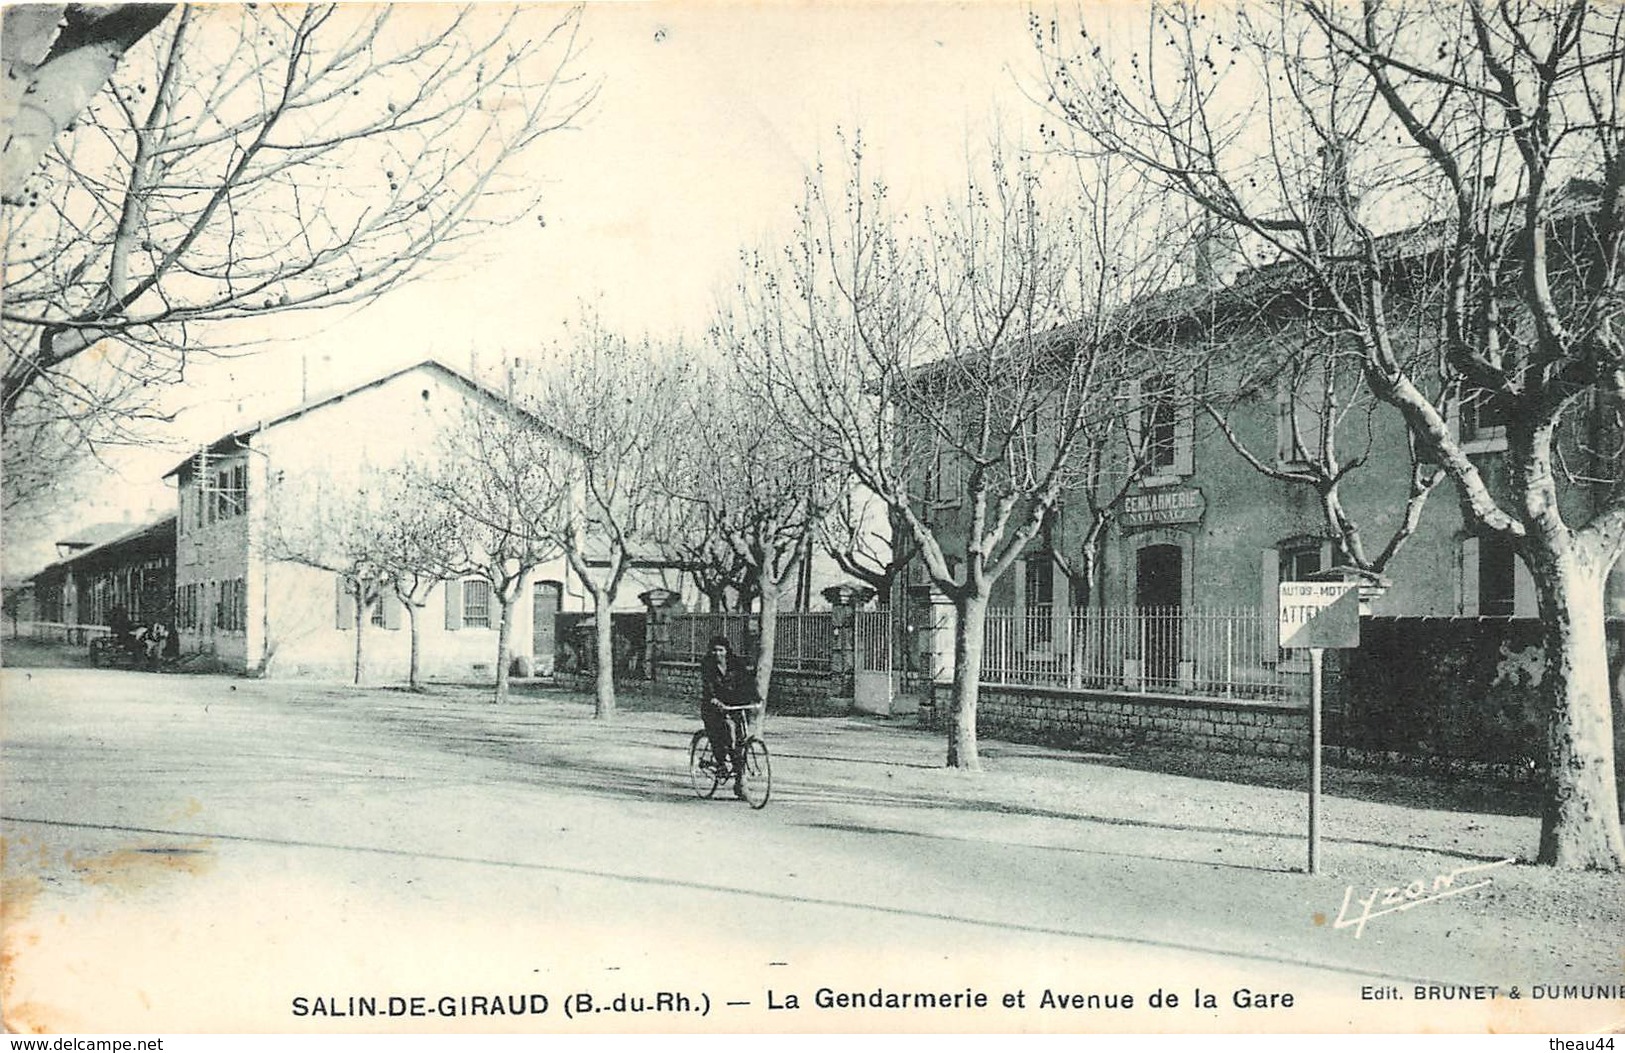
point(233, 438)
point(91, 536)
point(1254, 288)
point(123, 535)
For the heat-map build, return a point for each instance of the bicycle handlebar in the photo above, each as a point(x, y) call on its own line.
point(733, 709)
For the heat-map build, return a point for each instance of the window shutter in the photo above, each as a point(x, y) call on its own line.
point(1269, 572)
point(1136, 433)
point(344, 607)
point(1525, 603)
point(392, 609)
point(1285, 410)
point(1469, 576)
point(454, 605)
point(1184, 439)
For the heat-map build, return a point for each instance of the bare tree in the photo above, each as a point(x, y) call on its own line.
point(938, 366)
point(695, 540)
point(501, 477)
point(1492, 134)
point(1278, 345)
point(244, 162)
point(337, 528)
point(53, 59)
point(754, 487)
point(417, 549)
point(870, 544)
point(610, 395)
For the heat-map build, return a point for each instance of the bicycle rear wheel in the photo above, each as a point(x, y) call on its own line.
point(756, 780)
point(702, 769)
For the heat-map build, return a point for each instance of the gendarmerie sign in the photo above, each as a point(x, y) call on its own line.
point(1163, 507)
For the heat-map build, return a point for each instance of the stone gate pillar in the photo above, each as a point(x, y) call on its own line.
point(844, 601)
point(937, 645)
point(659, 605)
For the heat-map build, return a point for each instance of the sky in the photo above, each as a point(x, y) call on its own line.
point(707, 118)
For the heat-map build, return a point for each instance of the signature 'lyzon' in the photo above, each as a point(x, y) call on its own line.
point(1397, 898)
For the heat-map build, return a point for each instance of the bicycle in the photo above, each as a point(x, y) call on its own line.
point(753, 772)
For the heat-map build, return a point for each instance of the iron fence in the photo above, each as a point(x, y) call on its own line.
point(690, 634)
point(1223, 652)
point(804, 642)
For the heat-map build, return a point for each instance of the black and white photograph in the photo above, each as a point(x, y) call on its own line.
point(1097, 517)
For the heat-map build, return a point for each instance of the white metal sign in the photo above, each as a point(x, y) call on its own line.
point(1320, 614)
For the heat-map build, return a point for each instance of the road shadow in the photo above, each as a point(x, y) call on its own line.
point(1229, 953)
point(650, 765)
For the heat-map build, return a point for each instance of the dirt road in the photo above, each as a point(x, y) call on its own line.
point(189, 853)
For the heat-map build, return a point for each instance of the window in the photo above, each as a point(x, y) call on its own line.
point(1484, 415)
point(187, 607)
point(1300, 558)
point(1497, 580)
point(1297, 427)
point(220, 495)
point(944, 486)
point(231, 608)
point(1040, 580)
point(1161, 430)
point(477, 604)
point(378, 613)
point(1158, 413)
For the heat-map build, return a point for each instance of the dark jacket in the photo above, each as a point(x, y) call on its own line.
point(733, 687)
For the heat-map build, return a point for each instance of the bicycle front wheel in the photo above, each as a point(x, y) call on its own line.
point(756, 778)
point(702, 770)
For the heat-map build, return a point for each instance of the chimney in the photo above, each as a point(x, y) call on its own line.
point(1331, 203)
point(1216, 253)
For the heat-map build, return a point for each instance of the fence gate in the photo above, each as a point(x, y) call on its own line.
point(875, 674)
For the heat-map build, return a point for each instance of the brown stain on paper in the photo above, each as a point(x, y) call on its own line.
point(24, 865)
point(18, 894)
point(132, 869)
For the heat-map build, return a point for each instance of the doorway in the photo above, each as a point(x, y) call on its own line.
point(1159, 578)
point(543, 618)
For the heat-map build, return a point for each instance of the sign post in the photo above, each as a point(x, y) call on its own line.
point(1317, 657)
point(1317, 615)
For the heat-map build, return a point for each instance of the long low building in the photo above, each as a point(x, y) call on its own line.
point(132, 573)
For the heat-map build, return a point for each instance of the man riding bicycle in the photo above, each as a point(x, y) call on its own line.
point(724, 681)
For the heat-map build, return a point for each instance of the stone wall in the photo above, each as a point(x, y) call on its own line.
point(1070, 718)
point(793, 694)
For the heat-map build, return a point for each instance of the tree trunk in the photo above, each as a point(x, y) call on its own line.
point(360, 626)
point(412, 679)
point(51, 76)
point(1580, 821)
point(969, 634)
point(603, 623)
point(505, 606)
point(767, 646)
